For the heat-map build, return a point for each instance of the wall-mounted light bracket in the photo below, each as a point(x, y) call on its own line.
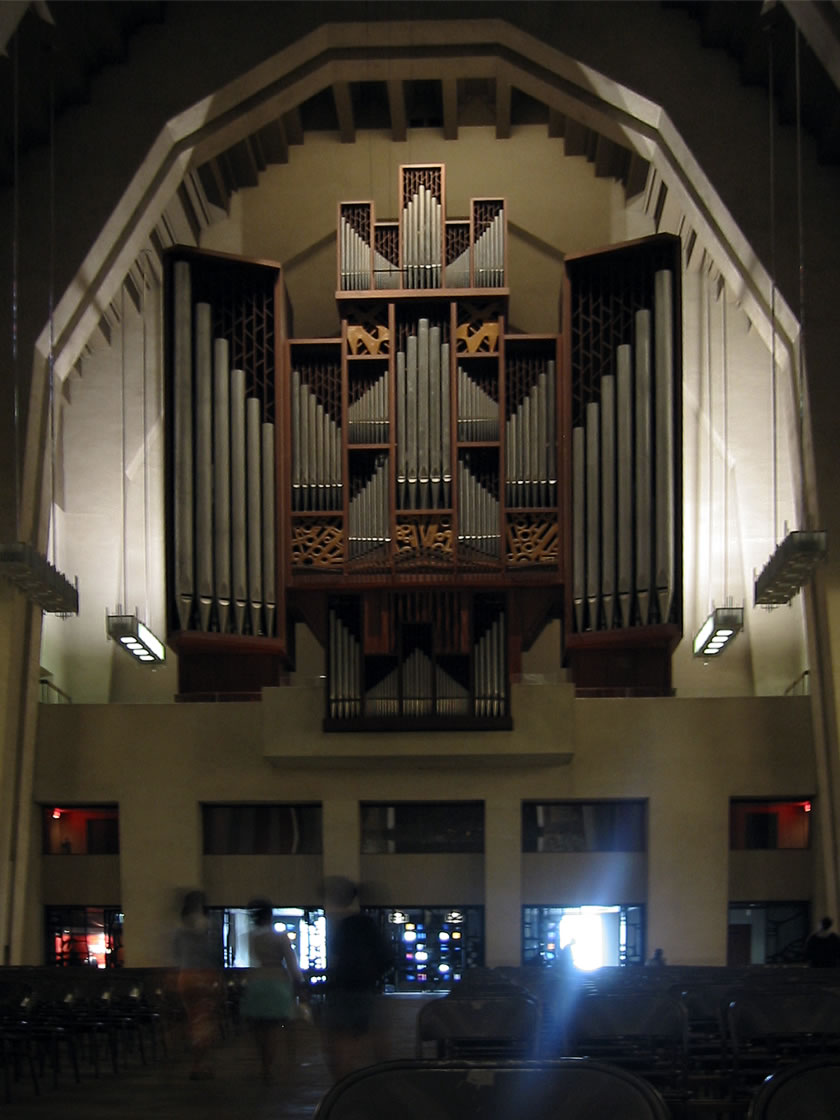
point(718, 630)
point(135, 638)
point(790, 567)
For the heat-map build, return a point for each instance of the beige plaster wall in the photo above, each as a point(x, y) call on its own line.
point(584, 878)
point(687, 757)
point(781, 876)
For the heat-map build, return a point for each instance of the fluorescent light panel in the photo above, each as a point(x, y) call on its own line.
point(135, 638)
point(718, 631)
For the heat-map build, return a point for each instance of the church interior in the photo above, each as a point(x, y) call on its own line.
point(397, 400)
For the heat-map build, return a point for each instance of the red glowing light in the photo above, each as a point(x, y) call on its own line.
point(806, 805)
point(56, 813)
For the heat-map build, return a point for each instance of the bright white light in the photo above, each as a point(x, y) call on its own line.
point(443, 936)
point(154, 645)
point(421, 956)
point(584, 933)
point(443, 968)
point(409, 935)
point(280, 927)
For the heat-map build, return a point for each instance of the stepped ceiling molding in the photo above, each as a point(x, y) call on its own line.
point(174, 173)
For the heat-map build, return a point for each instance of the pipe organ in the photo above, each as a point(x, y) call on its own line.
point(427, 487)
point(222, 320)
point(623, 353)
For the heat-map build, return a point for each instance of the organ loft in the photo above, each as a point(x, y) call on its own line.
point(428, 488)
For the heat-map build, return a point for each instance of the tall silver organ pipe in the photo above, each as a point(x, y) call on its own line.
point(221, 480)
point(478, 511)
point(489, 253)
point(422, 239)
point(578, 523)
point(422, 406)
point(489, 670)
point(316, 450)
point(530, 453)
point(356, 256)
point(224, 515)
point(624, 426)
point(642, 473)
point(367, 416)
point(183, 466)
point(269, 529)
point(623, 481)
point(204, 461)
point(663, 365)
point(593, 505)
point(345, 683)
point(238, 497)
point(369, 512)
point(478, 412)
point(608, 497)
point(253, 470)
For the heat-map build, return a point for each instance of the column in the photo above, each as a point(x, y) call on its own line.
point(502, 881)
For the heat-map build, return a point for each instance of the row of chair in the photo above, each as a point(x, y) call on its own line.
point(571, 1088)
point(703, 1048)
point(76, 1022)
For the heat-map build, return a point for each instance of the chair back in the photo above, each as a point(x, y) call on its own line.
point(497, 1026)
point(570, 1088)
point(805, 1091)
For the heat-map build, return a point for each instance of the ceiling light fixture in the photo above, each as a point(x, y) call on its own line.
point(135, 638)
point(717, 632)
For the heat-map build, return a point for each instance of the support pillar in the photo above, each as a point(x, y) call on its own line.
point(502, 881)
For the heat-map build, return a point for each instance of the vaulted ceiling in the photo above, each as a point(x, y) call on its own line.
point(57, 49)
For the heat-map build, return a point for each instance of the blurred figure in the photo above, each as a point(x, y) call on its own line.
point(198, 982)
point(270, 994)
point(353, 1031)
point(822, 949)
point(658, 959)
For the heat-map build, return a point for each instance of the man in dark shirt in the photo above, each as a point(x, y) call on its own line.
point(358, 957)
point(823, 947)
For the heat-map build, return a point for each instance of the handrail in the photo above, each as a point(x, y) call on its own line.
point(48, 688)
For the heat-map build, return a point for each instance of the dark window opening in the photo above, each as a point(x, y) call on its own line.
point(584, 826)
point(80, 830)
point(756, 825)
point(262, 830)
point(413, 827)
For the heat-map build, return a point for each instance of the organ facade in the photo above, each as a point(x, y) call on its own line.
point(429, 487)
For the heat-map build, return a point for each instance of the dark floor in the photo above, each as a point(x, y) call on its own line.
point(163, 1090)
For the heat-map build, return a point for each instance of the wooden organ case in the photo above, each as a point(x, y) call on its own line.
point(426, 512)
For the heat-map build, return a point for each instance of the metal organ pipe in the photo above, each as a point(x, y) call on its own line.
point(221, 479)
point(624, 391)
point(183, 393)
point(253, 441)
point(593, 535)
point(204, 461)
point(608, 500)
point(238, 496)
point(268, 528)
point(663, 364)
point(642, 471)
point(579, 523)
